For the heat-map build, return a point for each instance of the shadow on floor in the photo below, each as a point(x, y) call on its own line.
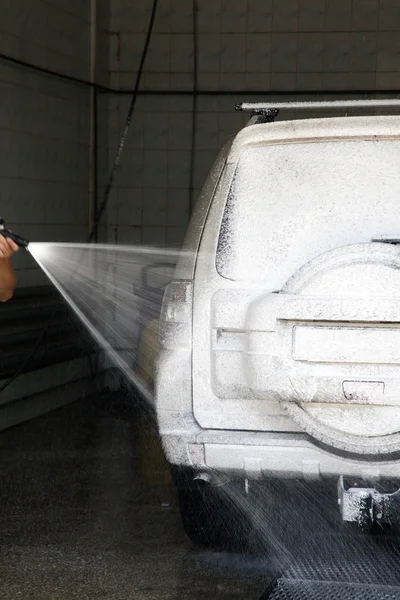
point(88, 510)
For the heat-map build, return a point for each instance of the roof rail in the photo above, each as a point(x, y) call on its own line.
point(255, 106)
point(267, 111)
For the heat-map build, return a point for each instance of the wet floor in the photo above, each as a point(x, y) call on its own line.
point(88, 511)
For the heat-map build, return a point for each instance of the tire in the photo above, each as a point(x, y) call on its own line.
point(208, 518)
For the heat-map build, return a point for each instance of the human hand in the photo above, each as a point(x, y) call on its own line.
point(7, 247)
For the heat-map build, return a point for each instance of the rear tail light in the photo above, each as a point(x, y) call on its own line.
point(175, 330)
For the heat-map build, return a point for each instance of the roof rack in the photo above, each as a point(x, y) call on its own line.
point(266, 112)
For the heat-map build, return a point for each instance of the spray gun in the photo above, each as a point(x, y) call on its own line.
point(20, 241)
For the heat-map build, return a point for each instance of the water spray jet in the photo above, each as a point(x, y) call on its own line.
point(116, 291)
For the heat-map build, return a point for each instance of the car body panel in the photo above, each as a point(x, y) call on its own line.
point(206, 392)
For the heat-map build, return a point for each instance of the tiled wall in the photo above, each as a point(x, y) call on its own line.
point(44, 124)
point(257, 45)
point(254, 45)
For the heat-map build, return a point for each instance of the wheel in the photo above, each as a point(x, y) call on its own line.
point(208, 518)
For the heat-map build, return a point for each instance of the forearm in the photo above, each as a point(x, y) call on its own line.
point(7, 280)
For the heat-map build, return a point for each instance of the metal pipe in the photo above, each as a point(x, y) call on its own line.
point(56, 74)
point(314, 93)
point(150, 92)
point(93, 109)
point(194, 108)
point(95, 158)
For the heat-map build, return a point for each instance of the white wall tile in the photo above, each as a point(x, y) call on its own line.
point(388, 51)
point(209, 103)
point(283, 81)
point(178, 169)
point(229, 124)
point(158, 58)
point(180, 131)
point(126, 50)
point(209, 53)
point(181, 81)
point(207, 132)
point(387, 80)
point(259, 16)
point(310, 52)
point(128, 207)
point(258, 53)
point(389, 15)
point(365, 15)
point(308, 81)
point(130, 17)
point(209, 16)
point(363, 56)
point(338, 15)
point(233, 53)
point(175, 236)
point(178, 104)
point(126, 236)
point(336, 81)
point(286, 16)
point(177, 207)
point(311, 15)
point(204, 162)
point(154, 236)
point(130, 172)
point(258, 81)
point(284, 52)
point(233, 16)
point(135, 139)
point(157, 81)
point(155, 127)
point(146, 104)
point(163, 17)
point(209, 81)
point(363, 81)
point(181, 53)
point(336, 52)
point(154, 206)
point(155, 168)
point(181, 16)
point(233, 81)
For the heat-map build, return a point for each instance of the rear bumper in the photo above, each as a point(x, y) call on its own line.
point(270, 455)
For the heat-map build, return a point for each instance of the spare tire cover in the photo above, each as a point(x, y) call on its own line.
point(367, 419)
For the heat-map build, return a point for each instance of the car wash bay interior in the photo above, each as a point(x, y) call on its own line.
point(88, 506)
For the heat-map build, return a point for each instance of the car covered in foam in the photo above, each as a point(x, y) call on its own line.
point(280, 334)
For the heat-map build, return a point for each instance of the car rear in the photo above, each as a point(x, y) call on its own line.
point(290, 364)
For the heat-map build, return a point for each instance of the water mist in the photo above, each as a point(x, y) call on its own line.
point(116, 291)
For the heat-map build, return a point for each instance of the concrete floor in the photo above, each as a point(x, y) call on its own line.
point(88, 511)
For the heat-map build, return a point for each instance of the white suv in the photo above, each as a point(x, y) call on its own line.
point(280, 333)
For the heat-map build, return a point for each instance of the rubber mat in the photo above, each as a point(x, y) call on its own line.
point(343, 567)
point(289, 589)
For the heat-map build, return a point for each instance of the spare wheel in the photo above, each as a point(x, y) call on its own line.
point(331, 349)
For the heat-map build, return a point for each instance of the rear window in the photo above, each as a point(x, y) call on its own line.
point(289, 203)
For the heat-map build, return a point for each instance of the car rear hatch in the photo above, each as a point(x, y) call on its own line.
point(296, 317)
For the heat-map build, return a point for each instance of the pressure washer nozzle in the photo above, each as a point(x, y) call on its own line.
point(20, 241)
